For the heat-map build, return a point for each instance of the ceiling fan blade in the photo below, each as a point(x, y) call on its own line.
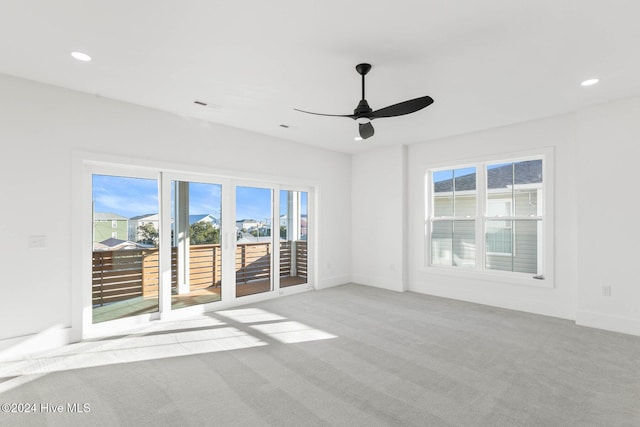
point(402, 108)
point(351, 116)
point(366, 130)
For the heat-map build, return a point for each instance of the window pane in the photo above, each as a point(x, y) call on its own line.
point(527, 235)
point(513, 189)
point(196, 255)
point(500, 190)
point(465, 192)
point(527, 172)
point(528, 187)
point(253, 250)
point(499, 237)
point(441, 243)
point(464, 243)
point(443, 193)
point(526, 202)
point(293, 238)
point(453, 243)
point(454, 193)
point(125, 247)
point(513, 249)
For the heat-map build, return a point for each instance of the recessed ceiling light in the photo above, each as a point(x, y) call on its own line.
point(590, 82)
point(80, 56)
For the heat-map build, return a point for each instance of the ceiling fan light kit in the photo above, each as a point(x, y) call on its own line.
point(363, 114)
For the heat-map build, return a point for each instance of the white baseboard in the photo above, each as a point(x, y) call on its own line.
point(329, 282)
point(517, 304)
point(610, 323)
point(377, 282)
point(27, 345)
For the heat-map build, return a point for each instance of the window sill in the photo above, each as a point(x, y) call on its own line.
point(518, 279)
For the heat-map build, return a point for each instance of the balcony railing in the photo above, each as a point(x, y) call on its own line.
point(130, 273)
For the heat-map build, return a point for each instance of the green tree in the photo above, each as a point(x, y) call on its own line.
point(149, 234)
point(201, 233)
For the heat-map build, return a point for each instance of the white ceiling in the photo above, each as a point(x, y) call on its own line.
point(486, 63)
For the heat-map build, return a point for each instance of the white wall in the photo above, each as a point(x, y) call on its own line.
point(596, 152)
point(608, 139)
point(41, 126)
point(507, 141)
point(378, 217)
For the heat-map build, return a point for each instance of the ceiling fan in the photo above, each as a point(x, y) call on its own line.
point(363, 114)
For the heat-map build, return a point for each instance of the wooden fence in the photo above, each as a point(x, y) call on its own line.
point(120, 275)
point(300, 259)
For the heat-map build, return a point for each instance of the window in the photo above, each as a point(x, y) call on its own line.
point(454, 217)
point(293, 237)
point(488, 216)
point(196, 253)
point(124, 277)
point(254, 241)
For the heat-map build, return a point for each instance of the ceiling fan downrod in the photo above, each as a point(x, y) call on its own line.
point(363, 106)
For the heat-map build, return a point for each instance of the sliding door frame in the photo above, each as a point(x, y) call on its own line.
point(86, 165)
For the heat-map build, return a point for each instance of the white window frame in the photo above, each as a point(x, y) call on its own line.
point(546, 252)
point(454, 217)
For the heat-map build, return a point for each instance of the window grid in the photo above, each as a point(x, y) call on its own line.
point(520, 217)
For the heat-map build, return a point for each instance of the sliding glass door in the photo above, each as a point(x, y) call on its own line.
point(196, 254)
point(294, 231)
point(125, 236)
point(254, 240)
point(168, 241)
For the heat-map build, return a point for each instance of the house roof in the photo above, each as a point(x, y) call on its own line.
point(111, 243)
point(202, 217)
point(148, 217)
point(526, 172)
point(107, 215)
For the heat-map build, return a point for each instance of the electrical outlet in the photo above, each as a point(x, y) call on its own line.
point(606, 291)
point(37, 242)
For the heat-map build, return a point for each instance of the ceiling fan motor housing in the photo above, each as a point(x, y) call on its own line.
point(362, 110)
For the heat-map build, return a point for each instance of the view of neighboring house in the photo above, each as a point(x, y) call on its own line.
point(248, 224)
point(138, 221)
point(204, 218)
point(250, 230)
point(109, 225)
point(117, 245)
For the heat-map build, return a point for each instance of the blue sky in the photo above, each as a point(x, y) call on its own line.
point(139, 196)
point(125, 196)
